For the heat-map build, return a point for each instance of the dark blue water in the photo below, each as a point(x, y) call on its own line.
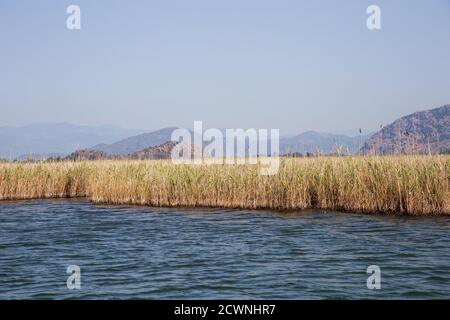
point(136, 252)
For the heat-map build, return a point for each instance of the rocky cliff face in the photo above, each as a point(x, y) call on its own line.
point(420, 132)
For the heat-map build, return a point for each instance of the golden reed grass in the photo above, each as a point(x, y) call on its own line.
point(414, 185)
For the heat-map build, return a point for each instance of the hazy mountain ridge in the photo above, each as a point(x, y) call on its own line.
point(307, 142)
point(137, 143)
point(316, 142)
point(419, 132)
point(55, 138)
point(44, 141)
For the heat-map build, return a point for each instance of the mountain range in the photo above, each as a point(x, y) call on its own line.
point(307, 142)
point(316, 142)
point(420, 132)
point(43, 141)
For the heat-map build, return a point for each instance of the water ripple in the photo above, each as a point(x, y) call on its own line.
point(143, 253)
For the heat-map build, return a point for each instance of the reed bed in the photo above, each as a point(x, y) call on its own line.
point(409, 185)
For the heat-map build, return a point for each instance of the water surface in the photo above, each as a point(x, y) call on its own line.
point(145, 253)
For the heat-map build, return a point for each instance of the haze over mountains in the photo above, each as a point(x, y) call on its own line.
point(422, 131)
point(314, 142)
point(307, 142)
point(44, 139)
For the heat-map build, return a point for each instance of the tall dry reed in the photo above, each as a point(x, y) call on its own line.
point(414, 185)
point(43, 180)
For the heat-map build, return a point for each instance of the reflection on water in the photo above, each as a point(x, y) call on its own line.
point(137, 252)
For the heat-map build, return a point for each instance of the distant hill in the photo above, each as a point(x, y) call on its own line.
point(162, 151)
point(136, 143)
point(420, 132)
point(313, 142)
point(87, 154)
point(59, 138)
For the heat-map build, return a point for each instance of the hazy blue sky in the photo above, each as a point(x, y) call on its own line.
point(295, 65)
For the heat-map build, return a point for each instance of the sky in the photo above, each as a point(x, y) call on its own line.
point(293, 65)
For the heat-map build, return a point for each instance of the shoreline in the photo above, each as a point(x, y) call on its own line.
point(206, 208)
